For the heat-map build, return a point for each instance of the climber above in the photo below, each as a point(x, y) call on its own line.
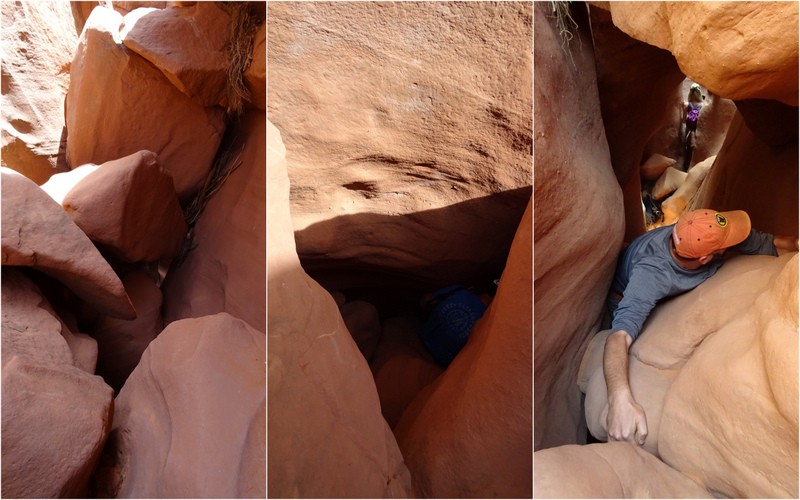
point(691, 110)
point(661, 263)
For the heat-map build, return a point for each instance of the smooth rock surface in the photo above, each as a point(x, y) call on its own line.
point(38, 40)
point(129, 208)
point(190, 420)
point(332, 442)
point(36, 232)
point(118, 92)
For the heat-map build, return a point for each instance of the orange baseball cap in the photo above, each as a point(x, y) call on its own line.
point(704, 231)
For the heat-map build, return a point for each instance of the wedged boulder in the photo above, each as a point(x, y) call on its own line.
point(426, 175)
point(188, 44)
point(58, 185)
point(684, 196)
point(401, 366)
point(218, 276)
point(332, 442)
point(477, 414)
point(668, 183)
point(713, 367)
point(36, 232)
point(578, 229)
point(129, 208)
point(116, 91)
point(189, 422)
point(727, 64)
point(120, 342)
point(608, 470)
point(55, 415)
point(654, 166)
point(38, 40)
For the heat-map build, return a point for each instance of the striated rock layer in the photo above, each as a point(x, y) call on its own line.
point(578, 226)
point(420, 176)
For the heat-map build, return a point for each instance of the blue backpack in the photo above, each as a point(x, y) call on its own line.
point(448, 327)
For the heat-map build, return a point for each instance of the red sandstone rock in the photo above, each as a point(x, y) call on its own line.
point(37, 233)
point(332, 441)
point(578, 228)
point(121, 343)
point(256, 73)
point(477, 414)
point(129, 208)
point(189, 422)
point(38, 41)
point(188, 44)
point(56, 416)
point(362, 321)
point(401, 366)
point(754, 175)
point(58, 185)
point(118, 103)
point(631, 75)
point(655, 165)
point(723, 59)
point(219, 275)
point(427, 172)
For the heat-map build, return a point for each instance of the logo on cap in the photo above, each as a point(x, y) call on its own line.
point(721, 220)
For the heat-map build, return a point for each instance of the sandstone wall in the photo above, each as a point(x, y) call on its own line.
point(393, 112)
point(578, 224)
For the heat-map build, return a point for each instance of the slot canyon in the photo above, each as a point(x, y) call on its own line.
point(133, 242)
point(223, 223)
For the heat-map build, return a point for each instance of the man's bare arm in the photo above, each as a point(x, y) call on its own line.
point(626, 419)
point(785, 244)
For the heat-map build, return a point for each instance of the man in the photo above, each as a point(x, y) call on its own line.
point(664, 262)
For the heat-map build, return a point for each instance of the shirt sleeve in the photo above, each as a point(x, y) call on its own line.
point(647, 285)
point(757, 243)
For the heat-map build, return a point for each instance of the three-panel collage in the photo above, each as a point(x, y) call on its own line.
point(399, 249)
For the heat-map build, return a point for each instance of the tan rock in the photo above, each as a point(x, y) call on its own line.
point(37, 233)
point(608, 470)
point(668, 183)
point(217, 275)
point(56, 416)
point(333, 442)
point(138, 108)
point(190, 420)
point(188, 44)
point(398, 180)
point(712, 367)
point(727, 63)
point(58, 185)
point(477, 414)
point(655, 165)
point(129, 208)
point(683, 197)
point(121, 343)
point(38, 42)
point(575, 252)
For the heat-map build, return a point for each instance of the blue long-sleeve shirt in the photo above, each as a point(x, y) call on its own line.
point(647, 273)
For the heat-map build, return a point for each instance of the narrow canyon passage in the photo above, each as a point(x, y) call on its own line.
point(612, 121)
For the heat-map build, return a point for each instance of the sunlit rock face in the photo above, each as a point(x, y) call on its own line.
point(727, 64)
point(332, 442)
point(38, 42)
point(422, 175)
point(578, 225)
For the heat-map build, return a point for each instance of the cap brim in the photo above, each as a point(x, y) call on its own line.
point(738, 227)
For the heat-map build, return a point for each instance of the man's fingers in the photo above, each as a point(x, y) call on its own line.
point(641, 429)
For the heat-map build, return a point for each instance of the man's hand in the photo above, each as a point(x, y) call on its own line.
point(626, 420)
